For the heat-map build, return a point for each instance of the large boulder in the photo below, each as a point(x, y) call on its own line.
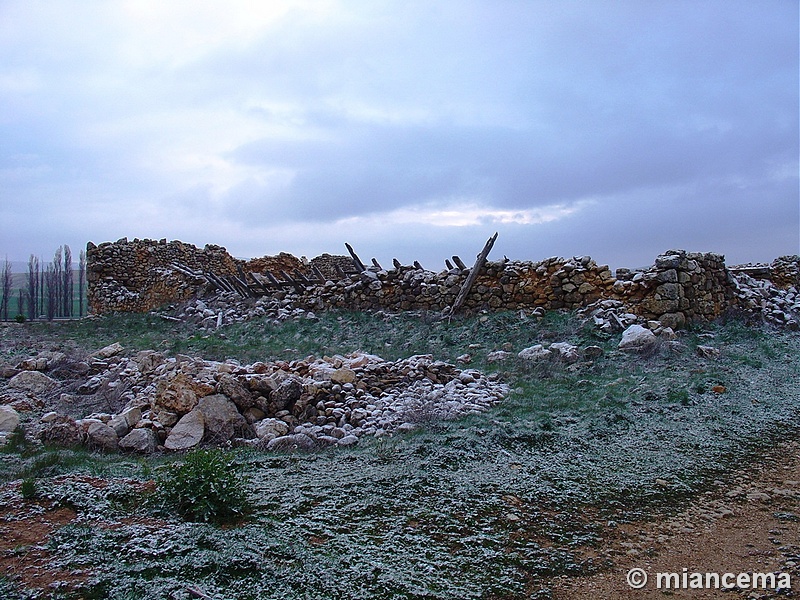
point(102, 437)
point(61, 430)
point(234, 389)
point(637, 339)
point(180, 393)
point(139, 440)
point(187, 433)
point(33, 382)
point(9, 419)
point(288, 392)
point(222, 420)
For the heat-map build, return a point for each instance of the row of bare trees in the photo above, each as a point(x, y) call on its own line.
point(49, 289)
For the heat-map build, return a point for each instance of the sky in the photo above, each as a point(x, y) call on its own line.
point(410, 129)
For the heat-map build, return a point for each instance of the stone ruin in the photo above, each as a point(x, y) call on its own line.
point(679, 288)
point(153, 402)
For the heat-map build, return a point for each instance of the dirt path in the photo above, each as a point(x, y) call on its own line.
point(752, 527)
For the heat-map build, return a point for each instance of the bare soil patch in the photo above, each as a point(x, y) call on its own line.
point(753, 526)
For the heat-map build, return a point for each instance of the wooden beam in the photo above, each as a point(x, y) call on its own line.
point(298, 288)
point(459, 263)
point(272, 279)
point(473, 275)
point(258, 283)
point(356, 261)
point(218, 282)
point(302, 277)
point(318, 273)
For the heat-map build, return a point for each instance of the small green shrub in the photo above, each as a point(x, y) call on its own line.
point(206, 487)
point(20, 318)
point(29, 489)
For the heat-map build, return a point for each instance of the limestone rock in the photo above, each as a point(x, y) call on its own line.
point(187, 433)
point(222, 420)
point(102, 437)
point(108, 351)
point(148, 360)
point(176, 394)
point(342, 376)
point(61, 431)
point(565, 351)
point(33, 382)
point(139, 440)
point(9, 419)
point(708, 352)
point(537, 352)
point(284, 398)
point(498, 356)
point(234, 389)
point(126, 421)
point(269, 429)
point(637, 339)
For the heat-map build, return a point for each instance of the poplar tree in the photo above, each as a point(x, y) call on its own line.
point(6, 279)
point(33, 286)
point(67, 283)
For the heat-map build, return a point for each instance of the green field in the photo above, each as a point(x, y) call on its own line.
point(491, 506)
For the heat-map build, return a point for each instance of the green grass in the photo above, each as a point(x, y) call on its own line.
point(489, 506)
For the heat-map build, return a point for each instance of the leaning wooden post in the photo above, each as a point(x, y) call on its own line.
point(356, 261)
point(473, 275)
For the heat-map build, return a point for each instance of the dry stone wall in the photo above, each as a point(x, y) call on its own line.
point(137, 276)
point(680, 287)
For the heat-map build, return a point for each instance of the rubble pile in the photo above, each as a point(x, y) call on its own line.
point(180, 402)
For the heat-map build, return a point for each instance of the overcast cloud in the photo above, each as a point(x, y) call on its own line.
point(409, 129)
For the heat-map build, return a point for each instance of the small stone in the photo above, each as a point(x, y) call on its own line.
point(592, 352)
point(108, 351)
point(348, 440)
point(537, 352)
point(637, 339)
point(708, 352)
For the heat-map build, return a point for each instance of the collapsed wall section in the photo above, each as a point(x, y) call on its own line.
point(137, 276)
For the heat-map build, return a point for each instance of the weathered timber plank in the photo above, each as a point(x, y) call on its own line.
point(356, 261)
point(473, 275)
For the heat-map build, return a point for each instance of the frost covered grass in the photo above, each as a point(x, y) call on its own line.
point(489, 506)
